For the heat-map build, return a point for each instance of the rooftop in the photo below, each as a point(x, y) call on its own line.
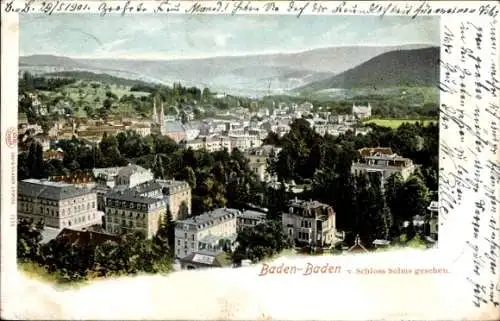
point(368, 151)
point(210, 218)
point(49, 190)
point(252, 214)
point(132, 197)
point(213, 260)
point(307, 204)
point(86, 237)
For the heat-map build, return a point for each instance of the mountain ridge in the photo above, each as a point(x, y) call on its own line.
point(418, 67)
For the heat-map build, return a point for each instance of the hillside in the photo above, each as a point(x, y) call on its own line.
point(50, 60)
point(399, 68)
point(98, 77)
point(250, 75)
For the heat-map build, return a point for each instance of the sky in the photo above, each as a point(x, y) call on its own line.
point(199, 36)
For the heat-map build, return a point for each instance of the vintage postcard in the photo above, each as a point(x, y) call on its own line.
point(250, 160)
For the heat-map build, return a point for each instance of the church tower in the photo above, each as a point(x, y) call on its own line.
point(161, 119)
point(155, 113)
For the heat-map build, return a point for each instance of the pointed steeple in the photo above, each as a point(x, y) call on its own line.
point(155, 113)
point(161, 119)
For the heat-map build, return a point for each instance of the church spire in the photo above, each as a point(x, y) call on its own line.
point(155, 113)
point(161, 119)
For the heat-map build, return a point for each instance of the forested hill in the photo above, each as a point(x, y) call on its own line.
point(418, 67)
point(99, 77)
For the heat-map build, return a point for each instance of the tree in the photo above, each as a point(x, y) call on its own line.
point(29, 237)
point(264, 240)
point(187, 174)
point(34, 161)
point(393, 192)
point(183, 210)
point(415, 196)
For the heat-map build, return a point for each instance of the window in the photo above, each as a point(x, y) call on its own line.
point(179, 242)
point(192, 237)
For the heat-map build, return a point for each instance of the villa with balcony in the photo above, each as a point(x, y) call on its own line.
point(384, 161)
point(310, 223)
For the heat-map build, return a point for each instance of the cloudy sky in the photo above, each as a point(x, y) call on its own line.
point(173, 37)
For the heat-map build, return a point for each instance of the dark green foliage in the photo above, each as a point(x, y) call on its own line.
point(132, 255)
point(263, 241)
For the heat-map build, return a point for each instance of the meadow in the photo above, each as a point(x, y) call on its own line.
point(395, 123)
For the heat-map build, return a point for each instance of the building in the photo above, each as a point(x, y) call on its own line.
point(178, 193)
point(197, 260)
point(191, 131)
point(207, 233)
point(141, 129)
point(249, 219)
point(245, 141)
point(433, 219)
point(132, 175)
point(106, 175)
point(140, 208)
point(92, 238)
point(383, 161)
point(175, 130)
point(59, 205)
point(53, 154)
point(310, 223)
point(362, 112)
point(357, 247)
point(258, 158)
point(82, 179)
point(196, 144)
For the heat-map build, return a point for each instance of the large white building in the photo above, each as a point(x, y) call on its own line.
point(206, 232)
point(123, 177)
point(133, 175)
point(245, 141)
point(59, 205)
point(383, 161)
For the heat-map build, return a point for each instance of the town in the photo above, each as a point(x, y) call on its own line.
point(187, 185)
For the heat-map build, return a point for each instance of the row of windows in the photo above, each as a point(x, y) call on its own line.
point(304, 236)
point(305, 224)
point(26, 207)
point(132, 205)
point(124, 222)
point(51, 202)
point(129, 215)
point(78, 220)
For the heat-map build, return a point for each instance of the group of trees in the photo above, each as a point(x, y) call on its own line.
point(263, 241)
point(131, 254)
point(29, 83)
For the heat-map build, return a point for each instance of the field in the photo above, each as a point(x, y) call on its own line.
point(395, 123)
point(83, 93)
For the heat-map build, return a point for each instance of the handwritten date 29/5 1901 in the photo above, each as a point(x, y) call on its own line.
point(47, 7)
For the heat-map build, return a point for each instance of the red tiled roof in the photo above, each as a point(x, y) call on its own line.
point(86, 237)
